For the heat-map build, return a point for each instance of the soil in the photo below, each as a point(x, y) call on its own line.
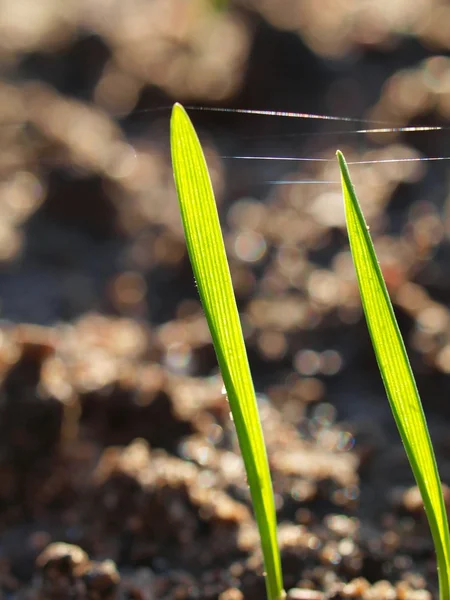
point(120, 475)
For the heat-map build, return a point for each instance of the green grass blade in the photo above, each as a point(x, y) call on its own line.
point(397, 376)
point(207, 253)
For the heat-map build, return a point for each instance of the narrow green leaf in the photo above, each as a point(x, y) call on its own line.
point(397, 376)
point(207, 253)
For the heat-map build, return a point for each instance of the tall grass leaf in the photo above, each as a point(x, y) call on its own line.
point(209, 262)
point(397, 376)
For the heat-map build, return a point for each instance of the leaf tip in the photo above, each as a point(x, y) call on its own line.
point(177, 112)
point(341, 159)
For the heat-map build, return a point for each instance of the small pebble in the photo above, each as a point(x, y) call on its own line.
point(304, 594)
point(355, 588)
point(381, 590)
point(418, 595)
point(231, 594)
point(65, 558)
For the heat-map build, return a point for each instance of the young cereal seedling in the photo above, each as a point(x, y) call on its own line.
point(211, 271)
point(209, 263)
point(397, 376)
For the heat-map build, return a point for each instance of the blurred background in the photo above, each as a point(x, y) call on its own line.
point(114, 431)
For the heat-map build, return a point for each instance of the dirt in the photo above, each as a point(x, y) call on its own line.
point(108, 451)
point(120, 475)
